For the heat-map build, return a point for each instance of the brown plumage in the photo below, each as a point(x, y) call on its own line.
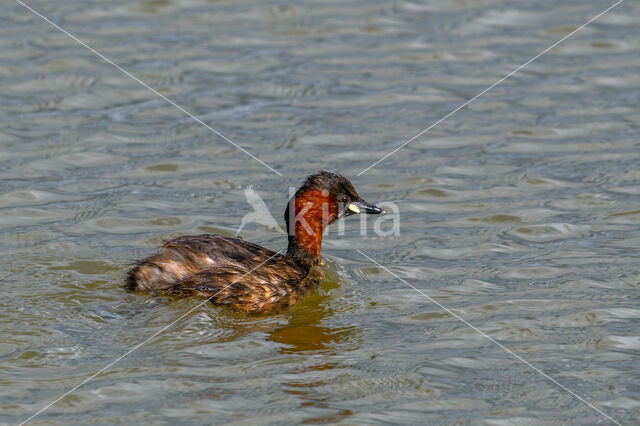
point(234, 272)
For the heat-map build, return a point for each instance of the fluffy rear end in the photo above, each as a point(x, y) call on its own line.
point(167, 268)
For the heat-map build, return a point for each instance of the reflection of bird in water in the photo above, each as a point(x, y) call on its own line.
point(260, 212)
point(303, 330)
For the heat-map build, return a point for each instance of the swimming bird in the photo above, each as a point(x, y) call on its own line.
point(233, 272)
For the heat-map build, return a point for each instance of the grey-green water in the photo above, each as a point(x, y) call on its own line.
point(521, 212)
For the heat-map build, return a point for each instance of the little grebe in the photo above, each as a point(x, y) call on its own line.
point(233, 272)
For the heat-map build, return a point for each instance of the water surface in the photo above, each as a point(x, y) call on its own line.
point(520, 212)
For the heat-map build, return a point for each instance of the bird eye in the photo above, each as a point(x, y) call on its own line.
point(344, 199)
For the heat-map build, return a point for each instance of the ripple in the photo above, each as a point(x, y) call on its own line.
point(549, 232)
point(532, 272)
point(49, 84)
point(14, 217)
point(498, 218)
point(625, 342)
point(89, 267)
point(462, 252)
point(31, 197)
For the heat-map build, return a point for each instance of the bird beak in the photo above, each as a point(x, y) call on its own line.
point(361, 206)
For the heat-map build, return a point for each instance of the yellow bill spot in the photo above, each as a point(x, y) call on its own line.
point(354, 208)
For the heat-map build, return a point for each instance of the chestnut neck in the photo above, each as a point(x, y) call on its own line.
point(314, 210)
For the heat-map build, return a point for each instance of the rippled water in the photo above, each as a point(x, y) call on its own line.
point(520, 212)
